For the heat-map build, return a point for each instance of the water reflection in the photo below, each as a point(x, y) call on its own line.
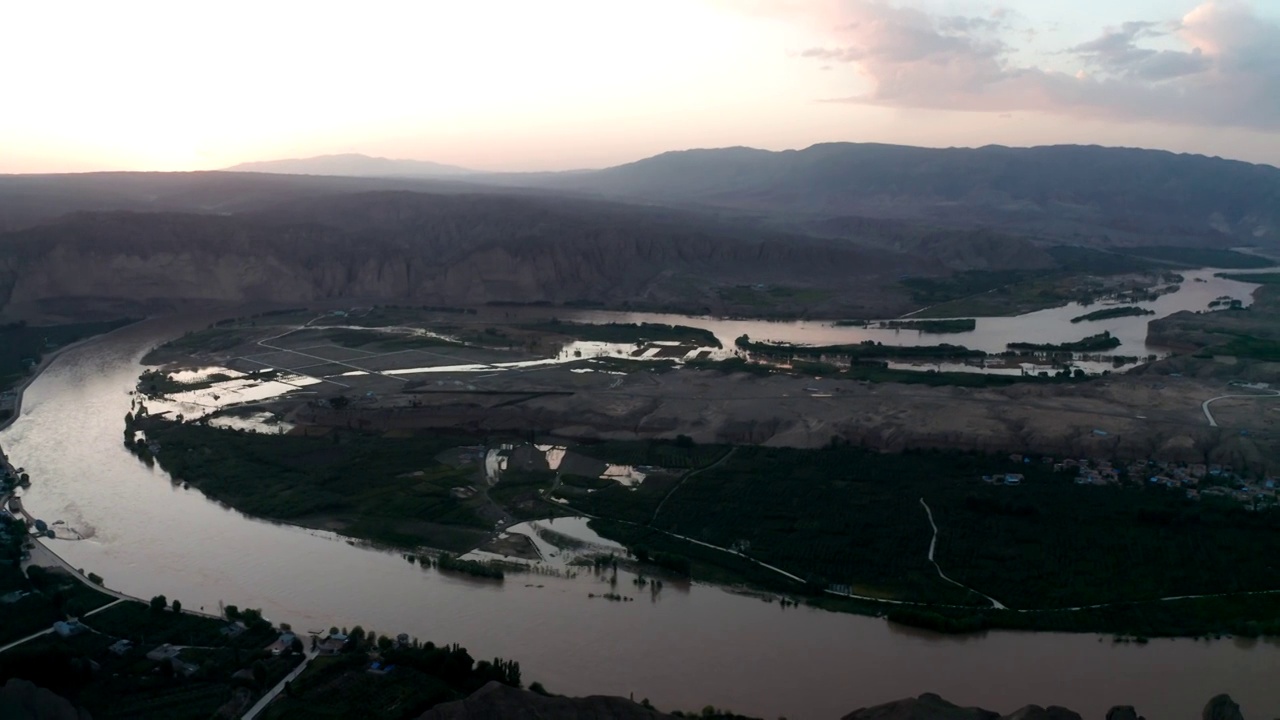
point(703, 646)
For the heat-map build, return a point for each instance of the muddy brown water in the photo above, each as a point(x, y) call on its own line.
point(683, 649)
point(991, 334)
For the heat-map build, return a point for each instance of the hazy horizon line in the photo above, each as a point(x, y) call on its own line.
point(469, 170)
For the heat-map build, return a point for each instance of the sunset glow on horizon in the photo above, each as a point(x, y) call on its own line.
point(506, 85)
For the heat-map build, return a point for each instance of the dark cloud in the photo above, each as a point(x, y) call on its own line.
point(1117, 54)
point(1217, 66)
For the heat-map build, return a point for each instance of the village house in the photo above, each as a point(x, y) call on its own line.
point(282, 643)
point(68, 628)
point(163, 652)
point(333, 644)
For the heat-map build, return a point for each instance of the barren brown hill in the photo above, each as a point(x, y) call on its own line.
point(415, 248)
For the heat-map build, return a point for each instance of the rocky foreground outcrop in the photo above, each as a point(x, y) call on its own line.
point(23, 700)
point(933, 707)
point(500, 701)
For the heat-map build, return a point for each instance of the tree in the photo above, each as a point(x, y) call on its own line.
point(177, 606)
point(260, 673)
point(296, 646)
point(158, 603)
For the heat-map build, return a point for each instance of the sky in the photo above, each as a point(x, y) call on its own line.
point(560, 84)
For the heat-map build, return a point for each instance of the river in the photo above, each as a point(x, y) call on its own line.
point(990, 334)
point(686, 648)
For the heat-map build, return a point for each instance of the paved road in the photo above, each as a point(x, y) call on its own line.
point(44, 557)
point(262, 704)
point(16, 643)
point(1209, 416)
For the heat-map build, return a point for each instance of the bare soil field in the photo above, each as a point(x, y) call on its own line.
point(1149, 414)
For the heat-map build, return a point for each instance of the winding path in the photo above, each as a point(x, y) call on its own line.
point(933, 543)
point(265, 700)
point(1209, 416)
point(688, 475)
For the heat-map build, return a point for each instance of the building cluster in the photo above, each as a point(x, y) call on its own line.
point(1196, 479)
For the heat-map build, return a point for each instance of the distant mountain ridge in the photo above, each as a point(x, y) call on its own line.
point(1062, 191)
point(352, 165)
point(1075, 193)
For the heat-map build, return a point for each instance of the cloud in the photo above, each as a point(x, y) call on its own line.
point(1219, 65)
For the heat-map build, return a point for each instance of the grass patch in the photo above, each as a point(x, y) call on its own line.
point(935, 327)
point(1200, 257)
point(1094, 343)
point(624, 333)
point(339, 687)
point(1116, 312)
point(772, 295)
point(387, 490)
point(866, 350)
point(586, 483)
point(1256, 278)
point(852, 517)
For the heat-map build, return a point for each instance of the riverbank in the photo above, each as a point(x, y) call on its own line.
point(680, 648)
point(46, 360)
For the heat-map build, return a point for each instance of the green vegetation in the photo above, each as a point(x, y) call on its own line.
point(1248, 616)
point(421, 677)
point(761, 296)
point(384, 341)
point(679, 454)
point(143, 623)
point(850, 517)
point(475, 568)
point(154, 383)
point(1074, 259)
point(864, 350)
point(932, 291)
point(586, 483)
point(1013, 292)
point(211, 340)
point(936, 327)
point(880, 372)
point(40, 597)
point(1094, 343)
point(1201, 257)
point(628, 332)
point(124, 683)
point(387, 490)
point(23, 346)
point(520, 492)
point(1257, 278)
point(217, 673)
point(1115, 312)
point(1248, 346)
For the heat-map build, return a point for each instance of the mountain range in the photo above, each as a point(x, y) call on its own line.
point(830, 230)
point(353, 165)
point(1113, 194)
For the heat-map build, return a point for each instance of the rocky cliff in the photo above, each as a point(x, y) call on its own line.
point(432, 249)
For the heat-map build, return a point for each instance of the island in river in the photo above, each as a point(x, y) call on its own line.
point(957, 539)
